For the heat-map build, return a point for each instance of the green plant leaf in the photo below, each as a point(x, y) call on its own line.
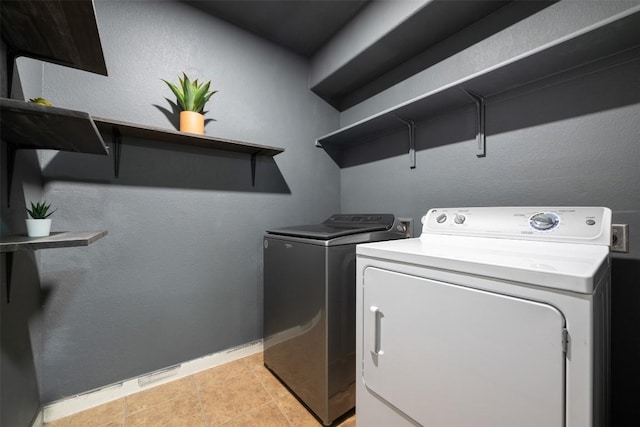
point(191, 95)
point(177, 92)
point(40, 210)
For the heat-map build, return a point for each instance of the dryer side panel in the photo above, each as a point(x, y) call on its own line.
point(446, 355)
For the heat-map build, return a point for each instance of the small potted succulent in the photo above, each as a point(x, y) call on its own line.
point(192, 97)
point(39, 225)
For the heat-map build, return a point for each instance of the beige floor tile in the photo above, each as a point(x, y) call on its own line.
point(255, 361)
point(225, 401)
point(110, 414)
point(273, 386)
point(242, 393)
point(215, 376)
point(268, 415)
point(183, 387)
point(181, 412)
point(296, 413)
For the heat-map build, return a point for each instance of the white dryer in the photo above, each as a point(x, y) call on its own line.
point(493, 317)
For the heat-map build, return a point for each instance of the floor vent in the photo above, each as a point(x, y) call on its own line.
point(158, 376)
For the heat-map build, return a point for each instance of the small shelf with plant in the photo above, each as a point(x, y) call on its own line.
point(39, 236)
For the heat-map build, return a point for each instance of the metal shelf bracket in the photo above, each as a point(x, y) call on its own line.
point(480, 132)
point(116, 139)
point(8, 273)
point(11, 162)
point(253, 168)
point(411, 125)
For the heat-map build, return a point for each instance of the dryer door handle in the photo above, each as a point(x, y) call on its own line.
point(376, 316)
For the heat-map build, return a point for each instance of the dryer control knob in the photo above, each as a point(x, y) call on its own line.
point(441, 218)
point(544, 221)
point(459, 219)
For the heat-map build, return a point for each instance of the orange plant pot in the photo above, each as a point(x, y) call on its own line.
point(192, 122)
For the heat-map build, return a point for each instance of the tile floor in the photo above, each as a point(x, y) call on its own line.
point(239, 393)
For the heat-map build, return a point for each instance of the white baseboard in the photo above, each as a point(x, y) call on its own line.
point(39, 421)
point(90, 399)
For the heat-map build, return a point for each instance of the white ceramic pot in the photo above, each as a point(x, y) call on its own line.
point(38, 227)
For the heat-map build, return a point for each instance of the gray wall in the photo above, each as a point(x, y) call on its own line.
point(179, 275)
point(20, 320)
point(563, 141)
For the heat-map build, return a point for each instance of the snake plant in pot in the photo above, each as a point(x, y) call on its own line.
point(191, 97)
point(39, 225)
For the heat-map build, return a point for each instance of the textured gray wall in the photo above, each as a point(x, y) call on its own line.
point(573, 142)
point(179, 275)
point(20, 320)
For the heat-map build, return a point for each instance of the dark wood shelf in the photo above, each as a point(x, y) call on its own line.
point(118, 129)
point(63, 239)
point(583, 48)
point(61, 32)
point(30, 125)
point(175, 137)
point(35, 126)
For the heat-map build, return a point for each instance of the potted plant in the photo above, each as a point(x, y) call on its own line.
point(192, 97)
point(39, 225)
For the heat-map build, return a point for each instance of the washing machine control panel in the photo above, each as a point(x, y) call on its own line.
point(563, 224)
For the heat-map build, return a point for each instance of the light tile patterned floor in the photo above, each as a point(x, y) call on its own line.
point(238, 394)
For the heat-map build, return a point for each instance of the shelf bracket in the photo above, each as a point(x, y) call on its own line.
point(253, 168)
point(11, 61)
point(480, 135)
point(116, 140)
point(8, 273)
point(411, 125)
point(11, 162)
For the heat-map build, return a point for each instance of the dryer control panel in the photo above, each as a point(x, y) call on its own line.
point(586, 225)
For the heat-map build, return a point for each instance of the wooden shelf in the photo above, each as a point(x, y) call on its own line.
point(64, 239)
point(597, 42)
point(182, 138)
point(60, 32)
point(118, 129)
point(30, 125)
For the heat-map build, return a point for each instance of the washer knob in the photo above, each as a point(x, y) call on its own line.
point(459, 219)
point(441, 218)
point(544, 221)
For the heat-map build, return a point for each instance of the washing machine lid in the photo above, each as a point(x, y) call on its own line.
point(339, 225)
point(505, 244)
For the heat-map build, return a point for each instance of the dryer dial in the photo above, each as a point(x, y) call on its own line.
point(544, 221)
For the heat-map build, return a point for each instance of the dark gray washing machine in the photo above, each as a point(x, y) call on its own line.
point(309, 306)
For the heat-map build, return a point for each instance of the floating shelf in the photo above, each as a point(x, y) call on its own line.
point(30, 125)
point(594, 43)
point(61, 32)
point(118, 129)
point(34, 126)
point(63, 239)
point(182, 138)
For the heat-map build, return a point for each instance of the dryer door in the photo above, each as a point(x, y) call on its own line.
point(451, 356)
